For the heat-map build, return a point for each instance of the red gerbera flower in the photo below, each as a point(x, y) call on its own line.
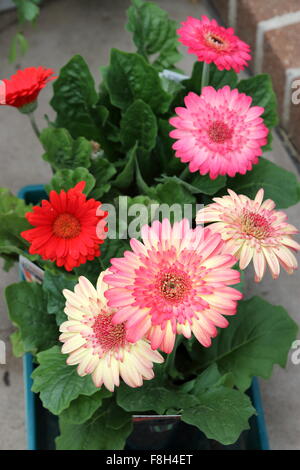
point(24, 87)
point(68, 228)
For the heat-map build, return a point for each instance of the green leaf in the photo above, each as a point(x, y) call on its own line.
point(27, 10)
point(129, 78)
point(27, 310)
point(259, 336)
point(153, 33)
point(74, 98)
point(271, 177)
point(17, 344)
point(164, 154)
point(83, 408)
point(126, 176)
point(172, 192)
point(12, 223)
point(103, 171)
point(217, 78)
point(67, 179)
point(99, 433)
point(19, 45)
point(138, 124)
point(221, 413)
point(62, 151)
point(155, 395)
point(53, 285)
point(261, 90)
point(199, 184)
point(58, 383)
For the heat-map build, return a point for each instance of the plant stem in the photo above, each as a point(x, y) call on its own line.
point(184, 173)
point(172, 356)
point(205, 75)
point(34, 125)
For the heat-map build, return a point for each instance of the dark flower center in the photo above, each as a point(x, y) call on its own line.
point(219, 132)
point(66, 226)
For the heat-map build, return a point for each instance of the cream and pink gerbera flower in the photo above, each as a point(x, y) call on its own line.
point(219, 132)
point(213, 43)
point(253, 230)
point(174, 281)
point(99, 346)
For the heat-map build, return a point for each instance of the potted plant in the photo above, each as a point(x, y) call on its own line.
point(138, 308)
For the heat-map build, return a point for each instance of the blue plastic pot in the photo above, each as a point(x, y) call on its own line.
point(42, 427)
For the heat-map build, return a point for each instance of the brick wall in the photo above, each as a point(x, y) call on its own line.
point(272, 28)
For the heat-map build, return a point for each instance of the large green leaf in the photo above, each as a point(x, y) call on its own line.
point(83, 408)
point(221, 413)
point(58, 383)
point(129, 78)
point(53, 285)
point(261, 90)
point(74, 98)
point(108, 429)
point(199, 184)
point(27, 309)
point(153, 33)
point(62, 151)
point(139, 125)
point(279, 184)
point(66, 179)
point(155, 395)
point(258, 337)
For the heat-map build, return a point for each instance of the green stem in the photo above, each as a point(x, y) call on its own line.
point(34, 125)
point(184, 173)
point(170, 362)
point(205, 75)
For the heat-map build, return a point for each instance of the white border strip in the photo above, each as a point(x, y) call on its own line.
point(268, 25)
point(290, 76)
point(232, 13)
point(2, 92)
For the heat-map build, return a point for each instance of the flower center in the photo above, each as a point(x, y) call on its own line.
point(215, 41)
point(255, 225)
point(66, 226)
point(219, 132)
point(107, 334)
point(173, 286)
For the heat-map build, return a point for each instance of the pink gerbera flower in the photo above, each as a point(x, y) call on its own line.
point(99, 346)
point(253, 230)
point(175, 281)
point(213, 43)
point(219, 132)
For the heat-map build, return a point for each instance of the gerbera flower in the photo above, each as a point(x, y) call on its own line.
point(213, 43)
point(99, 346)
point(219, 132)
point(176, 281)
point(24, 87)
point(253, 230)
point(68, 228)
